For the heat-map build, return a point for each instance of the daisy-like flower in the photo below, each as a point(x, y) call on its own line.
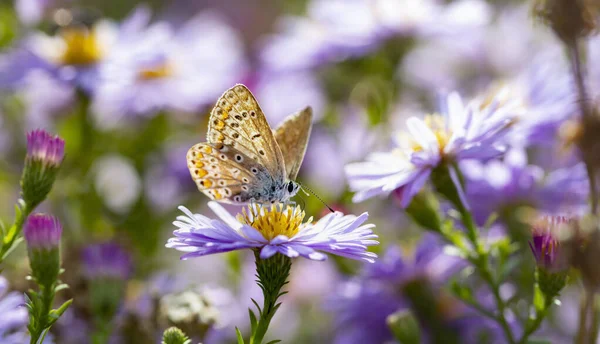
point(275, 229)
point(13, 315)
point(460, 132)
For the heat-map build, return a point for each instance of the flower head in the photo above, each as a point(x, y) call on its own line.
point(42, 232)
point(460, 132)
point(45, 148)
point(45, 154)
point(162, 68)
point(274, 229)
point(13, 315)
point(545, 243)
point(106, 260)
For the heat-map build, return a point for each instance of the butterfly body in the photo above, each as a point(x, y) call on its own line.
point(242, 161)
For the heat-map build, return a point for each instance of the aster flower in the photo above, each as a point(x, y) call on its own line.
point(362, 305)
point(159, 68)
point(461, 132)
point(45, 153)
point(501, 185)
point(106, 260)
point(13, 315)
point(275, 229)
point(337, 30)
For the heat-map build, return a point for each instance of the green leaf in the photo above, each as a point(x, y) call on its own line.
point(60, 287)
point(538, 341)
point(274, 341)
point(240, 338)
point(539, 300)
point(14, 245)
point(253, 320)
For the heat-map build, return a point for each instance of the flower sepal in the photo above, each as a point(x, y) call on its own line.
point(424, 210)
point(405, 327)
point(551, 283)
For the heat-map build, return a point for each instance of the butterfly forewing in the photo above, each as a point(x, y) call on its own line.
point(237, 121)
point(292, 137)
point(225, 174)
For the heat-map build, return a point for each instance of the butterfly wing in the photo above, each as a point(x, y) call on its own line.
point(292, 137)
point(237, 121)
point(226, 174)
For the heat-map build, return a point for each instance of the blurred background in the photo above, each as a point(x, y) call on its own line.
point(130, 85)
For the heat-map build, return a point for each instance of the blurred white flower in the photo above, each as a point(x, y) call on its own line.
point(117, 182)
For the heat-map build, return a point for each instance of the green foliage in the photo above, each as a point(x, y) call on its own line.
point(173, 335)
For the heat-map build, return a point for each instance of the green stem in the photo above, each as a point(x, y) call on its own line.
point(595, 321)
point(43, 320)
point(272, 276)
point(584, 311)
point(537, 322)
point(9, 239)
point(479, 257)
point(586, 113)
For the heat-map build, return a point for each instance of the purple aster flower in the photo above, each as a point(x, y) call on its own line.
point(275, 229)
point(45, 148)
point(336, 30)
point(362, 305)
point(498, 186)
point(31, 12)
point(42, 232)
point(159, 68)
point(13, 315)
point(545, 244)
point(473, 131)
point(106, 260)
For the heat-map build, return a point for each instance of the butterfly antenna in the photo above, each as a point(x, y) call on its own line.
point(304, 188)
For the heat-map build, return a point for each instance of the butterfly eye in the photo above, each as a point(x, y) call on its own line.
point(290, 187)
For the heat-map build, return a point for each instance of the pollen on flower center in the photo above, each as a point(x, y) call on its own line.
point(158, 71)
point(438, 126)
point(81, 47)
point(274, 220)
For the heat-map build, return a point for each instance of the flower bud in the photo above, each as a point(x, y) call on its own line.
point(45, 154)
point(569, 19)
point(173, 335)
point(405, 327)
point(550, 257)
point(42, 234)
point(192, 311)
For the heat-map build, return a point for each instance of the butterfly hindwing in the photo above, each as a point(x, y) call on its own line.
point(237, 121)
point(225, 174)
point(292, 137)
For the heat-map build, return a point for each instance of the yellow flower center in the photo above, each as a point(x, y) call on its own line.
point(438, 127)
point(274, 220)
point(159, 71)
point(81, 47)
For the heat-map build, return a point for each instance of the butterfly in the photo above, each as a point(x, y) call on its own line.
point(244, 160)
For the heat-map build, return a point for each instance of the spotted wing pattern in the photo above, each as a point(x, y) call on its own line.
point(225, 174)
point(292, 137)
point(237, 121)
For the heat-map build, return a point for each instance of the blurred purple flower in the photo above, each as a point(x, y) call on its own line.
point(476, 57)
point(362, 305)
point(282, 94)
point(42, 232)
point(62, 63)
point(159, 68)
point(31, 12)
point(328, 152)
point(13, 315)
point(273, 230)
point(336, 30)
point(106, 260)
point(496, 186)
point(473, 131)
